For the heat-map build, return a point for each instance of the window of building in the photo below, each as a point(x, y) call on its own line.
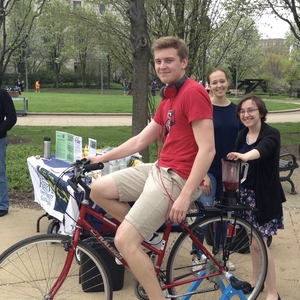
point(76, 66)
point(76, 4)
point(102, 9)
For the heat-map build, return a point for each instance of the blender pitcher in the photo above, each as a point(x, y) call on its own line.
point(231, 179)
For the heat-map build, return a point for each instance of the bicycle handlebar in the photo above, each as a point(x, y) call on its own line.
point(93, 167)
point(80, 167)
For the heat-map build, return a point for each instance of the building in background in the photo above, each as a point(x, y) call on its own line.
point(275, 46)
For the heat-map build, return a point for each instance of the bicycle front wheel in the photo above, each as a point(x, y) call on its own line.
point(29, 269)
point(244, 265)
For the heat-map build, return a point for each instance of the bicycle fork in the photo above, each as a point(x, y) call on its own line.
point(69, 246)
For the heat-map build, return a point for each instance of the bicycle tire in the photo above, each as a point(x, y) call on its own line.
point(29, 268)
point(179, 264)
point(53, 227)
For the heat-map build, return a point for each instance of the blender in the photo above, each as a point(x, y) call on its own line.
point(231, 179)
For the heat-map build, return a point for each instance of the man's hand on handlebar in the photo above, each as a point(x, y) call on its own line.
point(94, 159)
point(84, 165)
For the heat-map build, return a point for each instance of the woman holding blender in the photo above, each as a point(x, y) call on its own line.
point(258, 144)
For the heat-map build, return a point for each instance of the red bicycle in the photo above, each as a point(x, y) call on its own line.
point(54, 266)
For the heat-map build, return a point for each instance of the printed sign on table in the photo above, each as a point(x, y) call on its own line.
point(68, 146)
point(92, 146)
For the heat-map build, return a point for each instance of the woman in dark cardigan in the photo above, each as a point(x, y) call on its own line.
point(259, 145)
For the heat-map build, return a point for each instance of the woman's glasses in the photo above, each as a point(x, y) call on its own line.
point(249, 111)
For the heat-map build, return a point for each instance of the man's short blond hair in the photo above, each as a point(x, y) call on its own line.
point(172, 42)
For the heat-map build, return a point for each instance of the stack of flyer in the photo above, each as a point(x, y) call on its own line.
point(68, 147)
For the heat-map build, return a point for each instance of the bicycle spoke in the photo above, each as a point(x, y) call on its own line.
point(213, 277)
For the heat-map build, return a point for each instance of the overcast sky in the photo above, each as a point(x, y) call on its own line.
point(272, 28)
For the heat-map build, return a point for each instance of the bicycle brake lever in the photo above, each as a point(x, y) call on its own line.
point(72, 184)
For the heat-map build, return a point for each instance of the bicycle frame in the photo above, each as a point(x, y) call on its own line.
point(83, 224)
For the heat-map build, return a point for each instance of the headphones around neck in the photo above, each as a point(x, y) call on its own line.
point(170, 91)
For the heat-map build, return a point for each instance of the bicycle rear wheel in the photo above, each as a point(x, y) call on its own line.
point(29, 269)
point(179, 265)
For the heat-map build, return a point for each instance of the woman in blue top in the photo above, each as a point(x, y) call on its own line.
point(226, 128)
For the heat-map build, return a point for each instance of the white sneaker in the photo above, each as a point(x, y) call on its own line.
point(230, 265)
point(197, 264)
point(155, 240)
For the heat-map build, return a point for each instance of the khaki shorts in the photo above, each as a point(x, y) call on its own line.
point(150, 187)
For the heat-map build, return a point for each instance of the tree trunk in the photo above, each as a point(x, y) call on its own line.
point(141, 55)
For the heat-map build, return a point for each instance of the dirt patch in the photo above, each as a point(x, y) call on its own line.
point(23, 200)
point(15, 140)
point(292, 149)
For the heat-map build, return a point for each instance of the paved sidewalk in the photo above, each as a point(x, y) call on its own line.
point(75, 120)
point(118, 119)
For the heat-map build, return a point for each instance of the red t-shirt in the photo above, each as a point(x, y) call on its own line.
point(175, 116)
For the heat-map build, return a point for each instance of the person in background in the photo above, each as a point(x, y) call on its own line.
point(226, 128)
point(8, 119)
point(130, 89)
point(17, 85)
point(259, 145)
point(153, 87)
point(164, 189)
point(22, 85)
point(37, 87)
point(125, 86)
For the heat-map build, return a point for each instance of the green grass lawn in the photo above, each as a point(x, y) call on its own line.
point(283, 104)
point(111, 101)
point(80, 102)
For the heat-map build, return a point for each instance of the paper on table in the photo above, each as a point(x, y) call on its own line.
point(68, 146)
point(92, 146)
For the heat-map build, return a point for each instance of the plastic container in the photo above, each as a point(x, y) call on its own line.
point(47, 147)
point(113, 166)
point(122, 164)
point(116, 271)
point(106, 168)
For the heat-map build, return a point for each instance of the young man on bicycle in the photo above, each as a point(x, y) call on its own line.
point(164, 189)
